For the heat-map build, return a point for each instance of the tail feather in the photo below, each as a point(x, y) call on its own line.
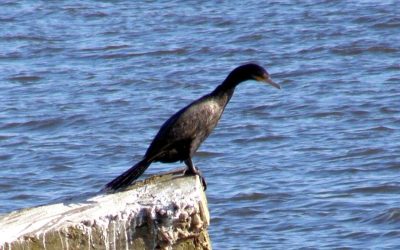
point(128, 176)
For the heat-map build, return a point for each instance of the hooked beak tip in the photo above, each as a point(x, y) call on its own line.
point(267, 79)
point(272, 83)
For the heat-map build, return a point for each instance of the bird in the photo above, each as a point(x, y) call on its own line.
point(182, 134)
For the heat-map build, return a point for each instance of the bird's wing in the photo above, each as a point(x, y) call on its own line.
point(179, 128)
point(167, 136)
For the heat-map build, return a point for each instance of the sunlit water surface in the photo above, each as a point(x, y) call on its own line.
point(85, 85)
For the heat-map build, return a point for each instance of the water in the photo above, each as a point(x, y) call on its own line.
point(85, 86)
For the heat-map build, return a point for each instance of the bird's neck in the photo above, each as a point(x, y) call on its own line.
point(225, 90)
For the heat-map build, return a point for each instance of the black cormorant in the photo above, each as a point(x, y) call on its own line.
point(181, 135)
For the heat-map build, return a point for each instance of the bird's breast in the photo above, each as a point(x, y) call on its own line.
point(213, 109)
point(209, 116)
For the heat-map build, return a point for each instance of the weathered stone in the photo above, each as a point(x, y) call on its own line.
point(163, 212)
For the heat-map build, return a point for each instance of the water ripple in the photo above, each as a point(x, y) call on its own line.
point(86, 85)
point(385, 188)
point(26, 78)
point(391, 215)
point(358, 48)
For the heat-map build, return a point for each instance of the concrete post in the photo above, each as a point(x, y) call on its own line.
point(163, 212)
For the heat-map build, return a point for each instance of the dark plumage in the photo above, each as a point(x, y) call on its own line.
point(182, 134)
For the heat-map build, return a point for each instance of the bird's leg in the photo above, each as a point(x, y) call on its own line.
point(192, 170)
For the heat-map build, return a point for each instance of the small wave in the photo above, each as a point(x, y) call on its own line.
point(5, 157)
point(391, 215)
point(27, 78)
point(386, 188)
point(106, 48)
point(249, 126)
point(312, 149)
point(364, 152)
point(250, 197)
point(250, 37)
point(22, 37)
point(35, 124)
point(393, 67)
point(354, 49)
point(260, 139)
point(258, 108)
point(22, 197)
point(383, 49)
point(337, 171)
point(60, 168)
point(76, 119)
point(96, 14)
point(327, 114)
point(178, 51)
point(358, 235)
point(10, 55)
point(393, 79)
point(359, 113)
point(256, 196)
point(5, 186)
point(7, 19)
point(10, 3)
point(358, 153)
point(364, 19)
point(311, 50)
point(242, 211)
point(388, 24)
point(206, 154)
point(42, 50)
point(387, 110)
point(305, 72)
point(5, 137)
point(116, 102)
point(382, 129)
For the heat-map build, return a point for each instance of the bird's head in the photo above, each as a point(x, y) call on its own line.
point(252, 71)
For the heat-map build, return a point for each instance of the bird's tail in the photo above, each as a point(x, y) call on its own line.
point(128, 176)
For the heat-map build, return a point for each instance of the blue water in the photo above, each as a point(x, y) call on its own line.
point(85, 85)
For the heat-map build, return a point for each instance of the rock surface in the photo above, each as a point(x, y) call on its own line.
point(163, 212)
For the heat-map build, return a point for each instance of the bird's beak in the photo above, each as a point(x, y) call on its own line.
point(267, 79)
